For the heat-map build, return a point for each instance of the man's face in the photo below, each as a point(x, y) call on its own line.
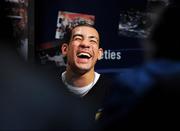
point(83, 50)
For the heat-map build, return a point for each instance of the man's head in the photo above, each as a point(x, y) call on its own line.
point(82, 48)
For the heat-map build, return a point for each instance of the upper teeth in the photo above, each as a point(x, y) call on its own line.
point(85, 54)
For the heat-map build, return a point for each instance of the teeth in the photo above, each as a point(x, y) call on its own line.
point(84, 54)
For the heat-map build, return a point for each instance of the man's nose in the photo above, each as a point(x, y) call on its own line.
point(85, 43)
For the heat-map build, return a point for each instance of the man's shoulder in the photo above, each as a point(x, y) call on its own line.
point(114, 85)
point(107, 78)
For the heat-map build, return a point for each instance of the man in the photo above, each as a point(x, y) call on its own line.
point(82, 50)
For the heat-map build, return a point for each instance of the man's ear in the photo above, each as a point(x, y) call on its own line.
point(64, 49)
point(100, 54)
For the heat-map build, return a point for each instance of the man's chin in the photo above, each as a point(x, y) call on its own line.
point(83, 68)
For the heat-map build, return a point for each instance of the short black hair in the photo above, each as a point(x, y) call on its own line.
point(68, 31)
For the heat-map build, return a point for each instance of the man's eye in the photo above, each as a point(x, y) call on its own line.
point(93, 41)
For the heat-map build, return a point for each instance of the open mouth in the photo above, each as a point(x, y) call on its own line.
point(84, 55)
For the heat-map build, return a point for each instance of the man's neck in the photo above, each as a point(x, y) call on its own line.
point(79, 79)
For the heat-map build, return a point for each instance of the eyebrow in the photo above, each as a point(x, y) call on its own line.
point(91, 37)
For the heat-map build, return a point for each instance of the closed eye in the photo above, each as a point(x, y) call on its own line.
point(93, 41)
point(77, 38)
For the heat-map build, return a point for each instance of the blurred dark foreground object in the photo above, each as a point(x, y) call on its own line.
point(155, 84)
point(31, 99)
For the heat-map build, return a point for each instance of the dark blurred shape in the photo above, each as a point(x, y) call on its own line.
point(6, 29)
point(155, 84)
point(164, 34)
point(31, 98)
